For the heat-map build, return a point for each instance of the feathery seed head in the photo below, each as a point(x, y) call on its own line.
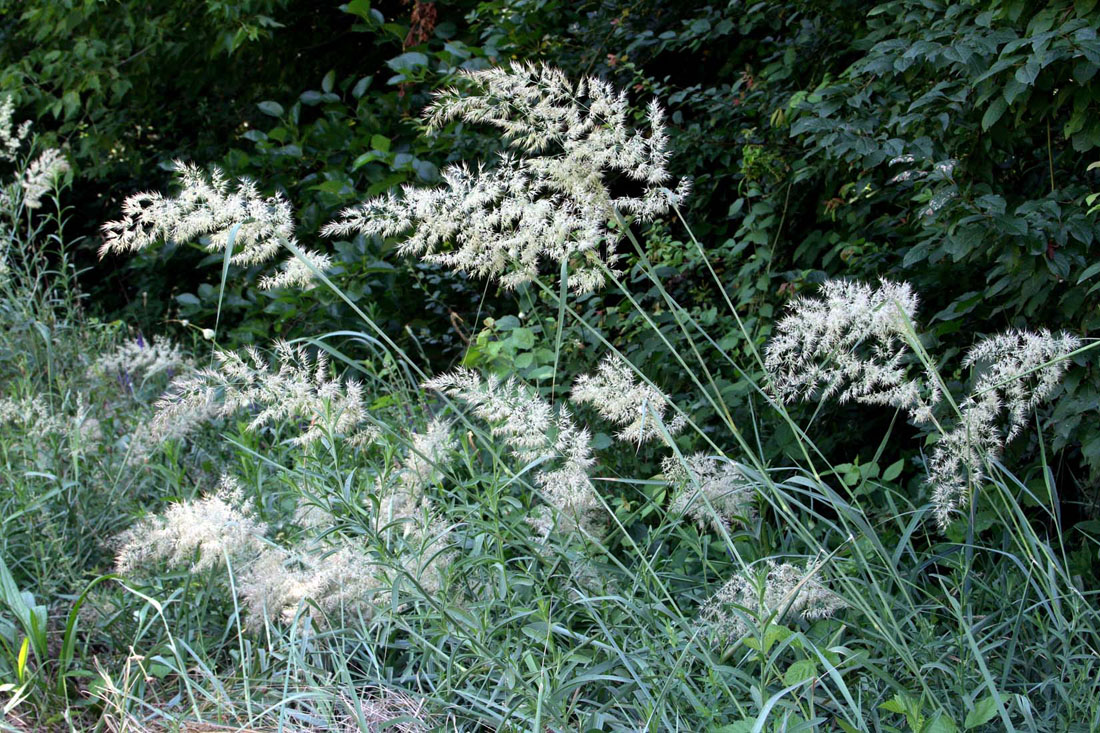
point(548, 200)
point(770, 591)
point(531, 428)
point(852, 343)
point(638, 408)
point(41, 175)
point(214, 207)
point(699, 480)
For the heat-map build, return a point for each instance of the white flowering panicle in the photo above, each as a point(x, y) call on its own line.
point(201, 533)
point(136, 361)
point(773, 591)
point(41, 176)
point(300, 392)
point(212, 206)
point(700, 480)
point(334, 573)
point(852, 344)
point(428, 454)
point(32, 182)
point(11, 137)
point(638, 408)
point(546, 199)
point(1016, 371)
point(534, 432)
point(32, 415)
point(340, 580)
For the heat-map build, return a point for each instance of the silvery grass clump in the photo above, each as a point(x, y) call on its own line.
point(139, 361)
point(299, 391)
point(227, 213)
point(858, 343)
point(546, 438)
point(548, 198)
point(28, 181)
point(710, 490)
point(770, 592)
point(336, 572)
point(33, 178)
point(619, 397)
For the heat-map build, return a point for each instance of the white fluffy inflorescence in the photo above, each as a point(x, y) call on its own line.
point(301, 392)
point(429, 451)
point(700, 480)
point(852, 343)
point(535, 433)
point(11, 138)
point(41, 175)
point(134, 362)
point(202, 533)
point(336, 574)
point(1016, 371)
point(638, 408)
point(774, 591)
point(549, 199)
point(213, 207)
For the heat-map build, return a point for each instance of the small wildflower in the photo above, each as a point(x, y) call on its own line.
point(136, 361)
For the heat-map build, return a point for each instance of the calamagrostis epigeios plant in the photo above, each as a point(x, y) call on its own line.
point(339, 574)
point(35, 181)
point(772, 591)
point(1016, 371)
point(536, 433)
point(137, 360)
point(698, 480)
point(851, 343)
point(638, 408)
point(856, 343)
point(224, 212)
point(548, 198)
point(300, 392)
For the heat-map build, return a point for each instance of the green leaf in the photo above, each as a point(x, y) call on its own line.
point(993, 112)
point(408, 61)
point(893, 470)
point(358, 7)
point(188, 299)
point(800, 671)
point(1027, 73)
point(360, 87)
point(741, 726)
point(523, 338)
point(939, 724)
point(1089, 272)
point(328, 81)
point(380, 142)
point(984, 711)
point(271, 108)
